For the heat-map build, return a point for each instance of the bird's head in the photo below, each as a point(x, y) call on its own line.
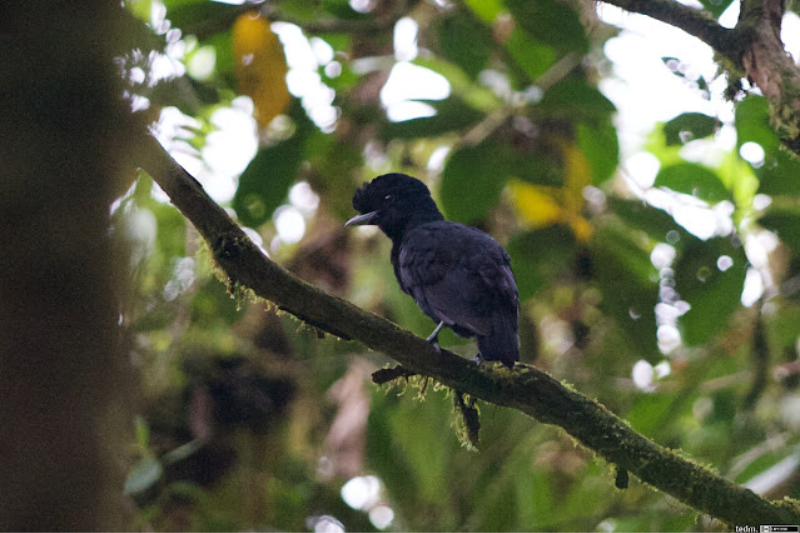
point(392, 202)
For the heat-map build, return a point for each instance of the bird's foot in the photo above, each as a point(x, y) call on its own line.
point(433, 338)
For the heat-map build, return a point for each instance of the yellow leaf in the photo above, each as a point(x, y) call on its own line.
point(260, 66)
point(577, 175)
point(581, 228)
point(535, 204)
point(539, 206)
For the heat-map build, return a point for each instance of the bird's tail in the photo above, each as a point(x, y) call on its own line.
point(502, 344)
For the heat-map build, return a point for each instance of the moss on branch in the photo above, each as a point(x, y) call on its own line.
point(754, 49)
point(525, 388)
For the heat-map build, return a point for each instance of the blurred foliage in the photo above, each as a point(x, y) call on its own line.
point(250, 420)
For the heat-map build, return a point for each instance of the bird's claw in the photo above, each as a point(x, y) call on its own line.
point(433, 338)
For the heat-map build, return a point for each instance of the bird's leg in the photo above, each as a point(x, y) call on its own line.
point(433, 338)
point(478, 359)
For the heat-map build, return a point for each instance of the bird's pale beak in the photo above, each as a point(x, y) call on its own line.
point(363, 220)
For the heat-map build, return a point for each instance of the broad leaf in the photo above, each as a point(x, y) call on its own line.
point(716, 7)
point(451, 115)
point(710, 276)
point(265, 182)
point(600, 146)
point(540, 257)
point(785, 223)
point(780, 174)
point(573, 98)
point(627, 279)
point(688, 127)
point(693, 179)
point(752, 124)
point(473, 179)
point(551, 22)
point(466, 42)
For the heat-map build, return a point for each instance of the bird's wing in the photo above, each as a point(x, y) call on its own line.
point(460, 276)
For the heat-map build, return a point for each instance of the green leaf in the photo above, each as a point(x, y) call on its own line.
point(688, 127)
point(539, 169)
point(140, 8)
point(532, 57)
point(538, 257)
point(765, 459)
point(265, 182)
point(716, 7)
point(145, 474)
point(785, 223)
point(212, 305)
point(693, 179)
point(170, 243)
point(752, 124)
point(142, 432)
point(223, 46)
point(600, 146)
point(642, 216)
point(335, 163)
point(551, 22)
point(451, 115)
point(341, 9)
point(712, 293)
point(462, 86)
point(187, 13)
point(574, 98)
point(628, 280)
point(473, 179)
point(172, 4)
point(780, 174)
point(486, 10)
point(652, 414)
point(466, 42)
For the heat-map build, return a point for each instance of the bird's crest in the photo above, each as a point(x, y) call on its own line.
point(372, 195)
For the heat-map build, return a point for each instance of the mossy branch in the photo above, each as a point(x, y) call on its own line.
point(696, 22)
point(753, 47)
point(525, 388)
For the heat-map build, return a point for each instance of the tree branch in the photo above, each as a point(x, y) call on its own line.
point(754, 47)
point(766, 62)
point(695, 22)
point(525, 388)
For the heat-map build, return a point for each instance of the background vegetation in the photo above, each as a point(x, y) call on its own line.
point(242, 417)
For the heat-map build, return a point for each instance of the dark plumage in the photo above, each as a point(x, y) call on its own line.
point(458, 275)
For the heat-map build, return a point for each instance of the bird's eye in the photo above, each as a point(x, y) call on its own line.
point(387, 197)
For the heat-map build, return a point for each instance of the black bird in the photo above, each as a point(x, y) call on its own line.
point(458, 275)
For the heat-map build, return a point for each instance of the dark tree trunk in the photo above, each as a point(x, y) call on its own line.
point(62, 369)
